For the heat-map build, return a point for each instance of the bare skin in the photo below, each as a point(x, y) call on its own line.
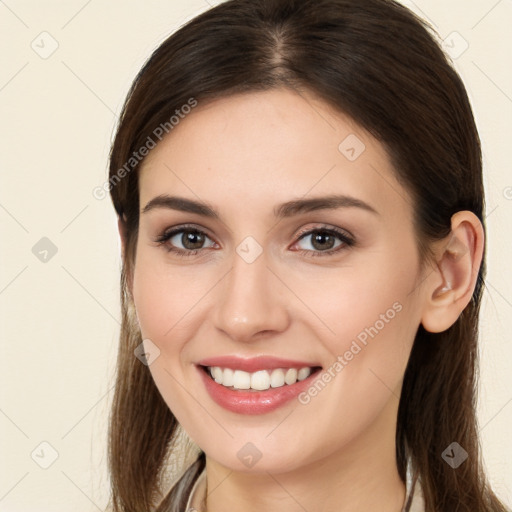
point(245, 155)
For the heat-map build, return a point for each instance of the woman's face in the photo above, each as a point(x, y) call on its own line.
point(293, 248)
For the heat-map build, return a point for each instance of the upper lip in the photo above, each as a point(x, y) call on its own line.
point(254, 364)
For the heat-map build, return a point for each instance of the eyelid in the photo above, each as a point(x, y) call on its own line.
point(346, 238)
point(169, 232)
point(326, 227)
point(163, 240)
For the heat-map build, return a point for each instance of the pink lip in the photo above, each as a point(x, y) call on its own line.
point(254, 402)
point(254, 364)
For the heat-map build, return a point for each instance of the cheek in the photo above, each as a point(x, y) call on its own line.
point(165, 298)
point(374, 319)
point(366, 318)
point(352, 298)
point(153, 302)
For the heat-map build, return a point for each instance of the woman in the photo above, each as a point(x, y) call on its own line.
point(299, 191)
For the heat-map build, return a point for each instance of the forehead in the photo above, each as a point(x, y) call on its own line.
point(255, 150)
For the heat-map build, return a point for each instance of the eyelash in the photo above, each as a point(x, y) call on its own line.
point(347, 241)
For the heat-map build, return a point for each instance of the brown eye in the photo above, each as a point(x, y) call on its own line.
point(192, 239)
point(317, 241)
point(185, 241)
point(322, 241)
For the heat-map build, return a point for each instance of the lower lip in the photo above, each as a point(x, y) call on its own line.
point(254, 402)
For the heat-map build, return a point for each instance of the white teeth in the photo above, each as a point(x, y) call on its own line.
point(304, 373)
point(217, 374)
point(227, 377)
point(277, 378)
point(241, 380)
point(260, 380)
point(290, 376)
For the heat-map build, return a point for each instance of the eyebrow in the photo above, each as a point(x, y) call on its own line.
point(288, 209)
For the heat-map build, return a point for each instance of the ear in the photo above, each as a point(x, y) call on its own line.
point(451, 285)
point(121, 226)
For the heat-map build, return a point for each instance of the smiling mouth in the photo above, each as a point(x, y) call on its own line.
point(261, 380)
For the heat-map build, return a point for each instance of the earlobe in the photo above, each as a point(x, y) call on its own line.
point(450, 286)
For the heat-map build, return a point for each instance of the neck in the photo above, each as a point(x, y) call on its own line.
point(359, 477)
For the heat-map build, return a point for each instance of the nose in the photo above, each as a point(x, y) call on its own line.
point(251, 301)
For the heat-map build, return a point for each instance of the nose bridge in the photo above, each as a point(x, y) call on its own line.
point(248, 301)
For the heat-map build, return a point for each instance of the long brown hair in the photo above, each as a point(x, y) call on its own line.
point(377, 62)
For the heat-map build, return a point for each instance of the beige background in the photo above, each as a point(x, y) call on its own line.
point(60, 317)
